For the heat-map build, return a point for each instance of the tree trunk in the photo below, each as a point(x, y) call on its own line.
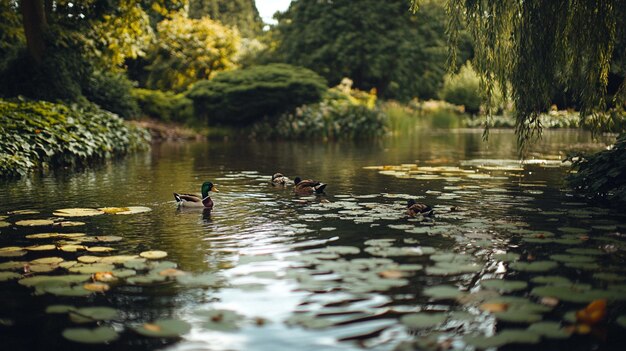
point(34, 19)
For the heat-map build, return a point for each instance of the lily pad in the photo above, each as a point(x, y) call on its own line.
point(504, 285)
point(47, 260)
point(153, 255)
point(92, 314)
point(98, 335)
point(442, 292)
point(34, 222)
point(552, 330)
point(200, 280)
point(510, 336)
point(59, 309)
point(41, 248)
point(119, 259)
point(55, 236)
point(537, 266)
point(6, 276)
point(77, 212)
point(100, 249)
point(423, 320)
point(164, 328)
point(134, 210)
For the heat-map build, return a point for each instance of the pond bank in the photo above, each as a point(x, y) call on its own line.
point(44, 135)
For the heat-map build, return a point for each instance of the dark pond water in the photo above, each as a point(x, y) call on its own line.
point(508, 247)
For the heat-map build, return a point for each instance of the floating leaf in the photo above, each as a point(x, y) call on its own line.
point(105, 238)
point(165, 328)
point(120, 259)
point(6, 276)
point(100, 249)
point(59, 309)
point(442, 292)
point(509, 336)
point(153, 255)
point(593, 313)
point(86, 268)
point(55, 236)
point(47, 260)
point(98, 335)
point(23, 212)
point(113, 210)
point(423, 320)
point(88, 259)
point(77, 212)
point(4, 224)
point(92, 314)
point(504, 285)
point(12, 265)
point(71, 248)
point(68, 224)
point(134, 210)
point(538, 266)
point(201, 280)
point(40, 248)
point(34, 222)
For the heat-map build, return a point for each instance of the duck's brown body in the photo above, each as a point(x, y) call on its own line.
point(308, 186)
point(414, 208)
point(191, 200)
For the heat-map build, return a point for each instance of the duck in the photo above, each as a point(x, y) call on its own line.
point(278, 179)
point(191, 200)
point(308, 186)
point(414, 208)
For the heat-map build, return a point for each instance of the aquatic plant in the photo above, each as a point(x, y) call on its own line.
point(44, 134)
point(603, 174)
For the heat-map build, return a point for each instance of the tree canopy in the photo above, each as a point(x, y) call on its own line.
point(377, 44)
point(532, 46)
point(188, 50)
point(242, 14)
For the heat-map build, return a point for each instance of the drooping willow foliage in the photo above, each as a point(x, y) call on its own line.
point(526, 47)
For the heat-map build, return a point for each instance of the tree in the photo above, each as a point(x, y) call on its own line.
point(188, 50)
point(535, 45)
point(378, 44)
point(242, 14)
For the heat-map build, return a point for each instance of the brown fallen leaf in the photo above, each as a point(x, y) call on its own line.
point(391, 274)
point(594, 313)
point(97, 287)
point(494, 307)
point(152, 327)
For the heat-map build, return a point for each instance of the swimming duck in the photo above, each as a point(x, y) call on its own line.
point(308, 186)
point(191, 200)
point(278, 179)
point(414, 208)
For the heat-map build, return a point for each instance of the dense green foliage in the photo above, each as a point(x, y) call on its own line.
point(462, 89)
point(537, 45)
point(602, 174)
point(164, 105)
point(112, 92)
point(188, 50)
point(44, 134)
point(342, 114)
point(378, 44)
point(242, 14)
point(244, 96)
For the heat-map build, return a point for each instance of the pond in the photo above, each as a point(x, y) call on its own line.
point(508, 252)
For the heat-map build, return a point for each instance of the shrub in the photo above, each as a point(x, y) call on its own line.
point(164, 105)
point(112, 92)
point(603, 174)
point(244, 96)
point(344, 113)
point(38, 134)
point(462, 89)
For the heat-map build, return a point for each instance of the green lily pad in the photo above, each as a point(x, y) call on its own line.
point(41, 247)
point(423, 320)
point(153, 255)
point(585, 251)
point(55, 236)
point(34, 222)
point(134, 210)
point(47, 260)
point(537, 266)
point(23, 212)
point(572, 258)
point(611, 277)
point(104, 238)
point(509, 336)
point(342, 250)
point(207, 280)
point(68, 224)
point(4, 224)
point(164, 328)
point(120, 259)
point(72, 291)
point(98, 335)
point(62, 309)
point(442, 292)
point(77, 212)
point(146, 279)
point(6, 276)
point(551, 279)
point(12, 265)
point(573, 293)
point(515, 315)
point(91, 314)
point(552, 330)
point(504, 285)
point(453, 268)
point(87, 268)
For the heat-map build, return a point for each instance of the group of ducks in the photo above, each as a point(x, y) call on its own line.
point(300, 187)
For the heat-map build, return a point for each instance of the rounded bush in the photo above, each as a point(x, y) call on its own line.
point(463, 89)
point(245, 96)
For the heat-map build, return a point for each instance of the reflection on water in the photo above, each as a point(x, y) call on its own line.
point(330, 272)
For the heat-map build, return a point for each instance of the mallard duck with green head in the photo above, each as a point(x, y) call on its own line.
point(414, 208)
point(308, 186)
point(191, 200)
